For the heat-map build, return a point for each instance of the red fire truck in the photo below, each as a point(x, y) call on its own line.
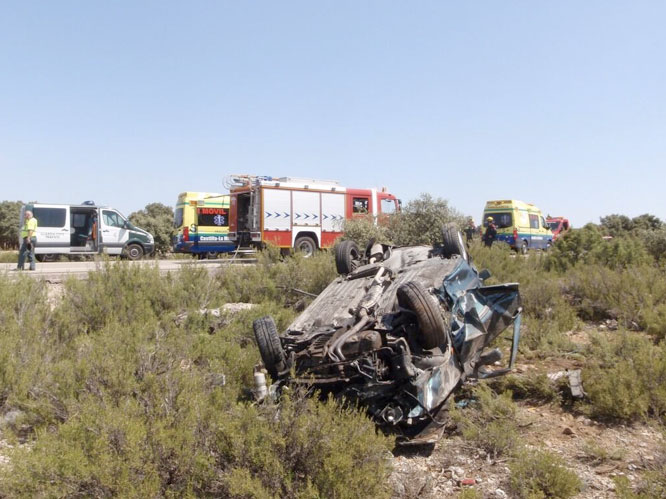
point(299, 213)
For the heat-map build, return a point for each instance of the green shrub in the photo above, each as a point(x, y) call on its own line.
point(363, 229)
point(277, 281)
point(123, 388)
point(489, 422)
point(587, 246)
point(535, 387)
point(626, 377)
point(421, 220)
point(8, 256)
point(538, 473)
point(635, 296)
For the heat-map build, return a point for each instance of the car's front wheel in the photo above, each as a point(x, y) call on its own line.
point(134, 252)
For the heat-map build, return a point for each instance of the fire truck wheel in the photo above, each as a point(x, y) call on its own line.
point(453, 243)
point(347, 257)
point(305, 245)
point(270, 348)
point(432, 329)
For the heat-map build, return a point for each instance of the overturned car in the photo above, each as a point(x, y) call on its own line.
point(398, 331)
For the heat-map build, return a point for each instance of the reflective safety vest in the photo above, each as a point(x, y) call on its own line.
point(29, 225)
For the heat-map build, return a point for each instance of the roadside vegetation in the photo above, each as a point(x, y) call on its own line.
point(128, 385)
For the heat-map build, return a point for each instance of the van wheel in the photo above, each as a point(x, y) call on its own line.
point(347, 257)
point(49, 257)
point(432, 329)
point(523, 248)
point(306, 245)
point(270, 347)
point(212, 255)
point(134, 252)
point(453, 243)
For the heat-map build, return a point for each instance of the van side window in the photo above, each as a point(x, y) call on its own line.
point(112, 219)
point(50, 217)
point(534, 221)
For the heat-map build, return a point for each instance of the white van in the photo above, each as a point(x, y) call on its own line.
point(86, 229)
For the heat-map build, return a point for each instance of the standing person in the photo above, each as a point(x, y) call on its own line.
point(491, 232)
point(470, 230)
point(29, 240)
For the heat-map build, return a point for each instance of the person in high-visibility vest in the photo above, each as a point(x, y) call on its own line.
point(29, 240)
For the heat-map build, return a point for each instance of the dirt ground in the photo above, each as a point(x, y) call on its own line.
point(441, 473)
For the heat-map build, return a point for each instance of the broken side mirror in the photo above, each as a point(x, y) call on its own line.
point(484, 274)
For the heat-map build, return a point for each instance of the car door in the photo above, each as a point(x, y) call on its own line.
point(114, 233)
point(53, 230)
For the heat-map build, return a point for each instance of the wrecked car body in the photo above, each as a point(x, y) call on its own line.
point(398, 332)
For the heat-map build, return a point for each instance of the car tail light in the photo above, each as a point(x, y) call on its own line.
point(186, 233)
point(515, 234)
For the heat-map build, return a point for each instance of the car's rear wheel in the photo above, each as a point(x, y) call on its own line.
point(48, 257)
point(453, 243)
point(347, 257)
point(270, 348)
point(413, 296)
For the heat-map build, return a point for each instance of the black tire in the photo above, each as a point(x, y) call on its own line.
point(134, 252)
point(306, 245)
point(270, 348)
point(453, 243)
point(413, 296)
point(48, 257)
point(347, 257)
point(212, 255)
point(523, 248)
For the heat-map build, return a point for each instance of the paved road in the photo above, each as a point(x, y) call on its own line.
point(57, 271)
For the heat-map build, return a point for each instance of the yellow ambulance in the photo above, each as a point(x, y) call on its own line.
point(521, 225)
point(202, 224)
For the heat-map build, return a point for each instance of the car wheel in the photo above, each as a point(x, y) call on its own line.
point(523, 248)
point(49, 257)
point(347, 257)
point(211, 255)
point(305, 245)
point(413, 296)
point(453, 243)
point(134, 252)
point(270, 348)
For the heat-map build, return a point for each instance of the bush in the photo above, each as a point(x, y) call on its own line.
point(157, 219)
point(120, 394)
point(635, 296)
point(586, 246)
point(421, 220)
point(534, 387)
point(489, 422)
point(626, 377)
point(538, 473)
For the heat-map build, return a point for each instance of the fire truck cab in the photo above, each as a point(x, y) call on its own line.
point(304, 214)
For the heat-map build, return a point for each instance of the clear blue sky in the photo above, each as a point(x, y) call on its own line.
point(561, 104)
